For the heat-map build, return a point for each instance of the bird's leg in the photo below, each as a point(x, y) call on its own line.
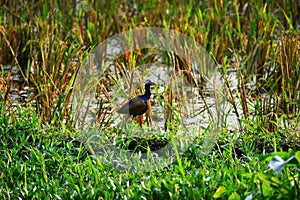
point(140, 120)
point(149, 114)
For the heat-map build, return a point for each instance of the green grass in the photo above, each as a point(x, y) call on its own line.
point(39, 161)
point(45, 42)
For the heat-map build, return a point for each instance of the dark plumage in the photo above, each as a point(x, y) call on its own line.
point(139, 104)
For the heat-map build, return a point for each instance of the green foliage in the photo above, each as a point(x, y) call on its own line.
point(41, 162)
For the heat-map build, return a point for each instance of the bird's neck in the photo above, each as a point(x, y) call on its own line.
point(147, 92)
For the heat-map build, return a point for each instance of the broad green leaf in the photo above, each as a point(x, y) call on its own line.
point(267, 189)
point(218, 194)
point(297, 156)
point(234, 196)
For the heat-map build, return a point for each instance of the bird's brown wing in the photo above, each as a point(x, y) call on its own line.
point(136, 106)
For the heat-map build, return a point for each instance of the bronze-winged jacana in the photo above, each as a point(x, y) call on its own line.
point(139, 104)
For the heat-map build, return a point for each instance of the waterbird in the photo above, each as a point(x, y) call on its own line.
point(138, 105)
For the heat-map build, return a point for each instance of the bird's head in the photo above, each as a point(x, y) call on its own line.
point(148, 83)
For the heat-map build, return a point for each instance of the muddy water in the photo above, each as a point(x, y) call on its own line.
point(195, 112)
